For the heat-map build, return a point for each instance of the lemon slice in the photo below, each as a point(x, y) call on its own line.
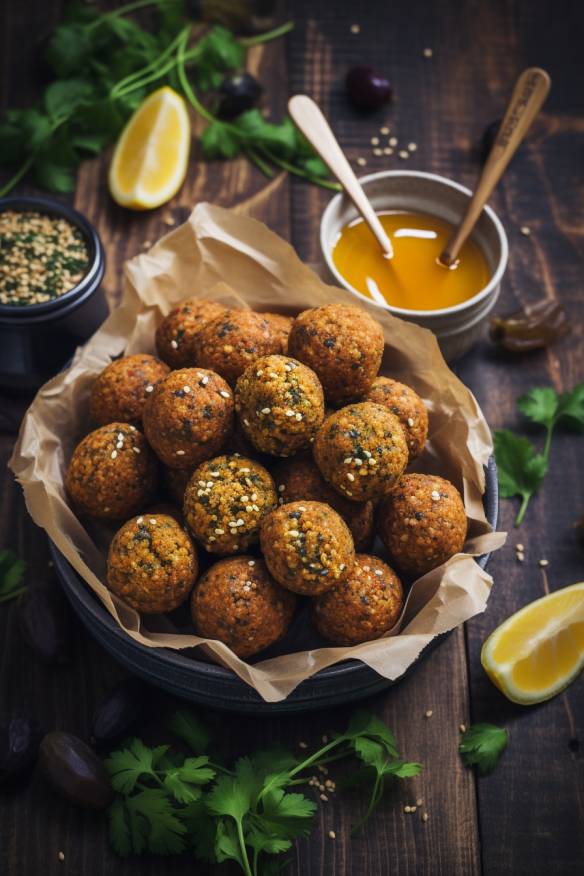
point(539, 650)
point(150, 158)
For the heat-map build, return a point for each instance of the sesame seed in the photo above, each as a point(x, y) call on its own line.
point(293, 533)
point(410, 422)
point(288, 366)
point(520, 556)
point(224, 393)
point(114, 453)
point(273, 374)
point(251, 563)
point(367, 568)
point(136, 449)
point(266, 411)
point(525, 230)
point(227, 348)
point(361, 161)
point(367, 454)
point(355, 28)
point(384, 130)
point(425, 816)
point(378, 152)
point(462, 728)
point(348, 460)
point(246, 422)
point(342, 567)
point(180, 452)
point(214, 474)
point(387, 150)
point(403, 153)
point(378, 572)
point(412, 147)
point(392, 141)
point(324, 797)
point(149, 388)
point(325, 740)
point(413, 808)
point(219, 531)
point(419, 801)
point(289, 413)
point(140, 520)
point(239, 522)
point(435, 495)
point(254, 497)
point(427, 53)
point(298, 416)
point(120, 445)
point(375, 141)
point(61, 856)
point(372, 461)
point(259, 373)
point(350, 476)
point(205, 380)
point(429, 713)
point(303, 744)
point(407, 809)
point(211, 538)
point(543, 563)
point(332, 834)
point(519, 547)
point(281, 488)
point(153, 521)
point(174, 345)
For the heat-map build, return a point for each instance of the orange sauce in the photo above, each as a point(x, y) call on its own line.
point(412, 279)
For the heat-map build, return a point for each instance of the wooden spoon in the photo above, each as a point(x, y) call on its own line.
point(529, 93)
point(310, 120)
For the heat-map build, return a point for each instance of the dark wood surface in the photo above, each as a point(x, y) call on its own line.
point(528, 817)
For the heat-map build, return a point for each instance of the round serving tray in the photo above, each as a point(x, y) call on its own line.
point(219, 688)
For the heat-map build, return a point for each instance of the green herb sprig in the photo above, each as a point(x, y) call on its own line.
point(105, 65)
point(11, 576)
point(482, 745)
point(521, 469)
point(167, 802)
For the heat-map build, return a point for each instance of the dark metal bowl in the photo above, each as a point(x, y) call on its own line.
point(219, 688)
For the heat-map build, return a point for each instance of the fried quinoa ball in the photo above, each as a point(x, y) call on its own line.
point(281, 326)
point(188, 417)
point(343, 344)
point(363, 606)
point(112, 472)
point(231, 342)
point(152, 564)
point(239, 603)
point(407, 406)
point(300, 478)
point(361, 451)
point(176, 333)
point(225, 501)
point(422, 523)
point(121, 390)
point(280, 404)
point(307, 546)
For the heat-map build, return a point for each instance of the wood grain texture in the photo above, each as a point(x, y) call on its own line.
point(528, 816)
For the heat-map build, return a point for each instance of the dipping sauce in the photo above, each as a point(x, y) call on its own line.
point(412, 279)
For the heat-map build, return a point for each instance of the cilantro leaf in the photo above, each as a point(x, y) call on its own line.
point(182, 791)
point(520, 469)
point(219, 141)
point(11, 574)
point(184, 725)
point(62, 97)
point(182, 781)
point(365, 723)
point(233, 795)
point(287, 815)
point(482, 745)
point(571, 407)
point(227, 845)
point(127, 766)
point(201, 827)
point(146, 822)
point(540, 404)
point(68, 49)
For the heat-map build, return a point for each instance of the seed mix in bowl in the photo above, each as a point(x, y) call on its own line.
point(41, 257)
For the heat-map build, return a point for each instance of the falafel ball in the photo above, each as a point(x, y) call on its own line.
point(362, 607)
point(361, 451)
point(342, 344)
point(120, 391)
point(175, 336)
point(152, 564)
point(407, 406)
point(239, 603)
point(225, 501)
point(307, 546)
point(300, 478)
point(112, 472)
point(188, 417)
point(231, 342)
point(281, 326)
point(422, 523)
point(280, 404)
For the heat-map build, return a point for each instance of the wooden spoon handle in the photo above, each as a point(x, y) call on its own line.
point(529, 93)
point(310, 120)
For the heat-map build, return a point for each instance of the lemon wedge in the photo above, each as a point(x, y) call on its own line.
point(150, 158)
point(539, 650)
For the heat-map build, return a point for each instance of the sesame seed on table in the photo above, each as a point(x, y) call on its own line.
point(451, 66)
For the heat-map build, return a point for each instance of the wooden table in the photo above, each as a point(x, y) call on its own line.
point(527, 817)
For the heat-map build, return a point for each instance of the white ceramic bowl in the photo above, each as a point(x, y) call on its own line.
point(457, 328)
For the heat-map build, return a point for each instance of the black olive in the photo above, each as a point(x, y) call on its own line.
point(19, 745)
point(489, 137)
point(366, 88)
point(122, 707)
point(75, 770)
point(46, 624)
point(237, 93)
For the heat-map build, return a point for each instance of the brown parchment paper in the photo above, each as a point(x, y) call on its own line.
point(232, 258)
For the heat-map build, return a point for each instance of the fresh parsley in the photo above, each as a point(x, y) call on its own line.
point(482, 745)
point(105, 64)
point(167, 802)
point(521, 469)
point(11, 576)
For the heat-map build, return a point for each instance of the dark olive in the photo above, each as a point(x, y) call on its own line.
point(366, 88)
point(46, 624)
point(19, 745)
point(237, 93)
point(122, 707)
point(75, 770)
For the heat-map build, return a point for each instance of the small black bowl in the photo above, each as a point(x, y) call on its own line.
point(219, 688)
point(36, 340)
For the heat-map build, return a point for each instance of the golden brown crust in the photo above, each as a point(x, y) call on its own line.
point(361, 451)
point(175, 336)
point(342, 344)
point(422, 523)
point(225, 501)
point(280, 404)
point(120, 392)
point(112, 472)
point(307, 546)
point(407, 406)
point(188, 417)
point(230, 343)
point(152, 564)
point(300, 478)
point(281, 326)
point(238, 602)
point(363, 606)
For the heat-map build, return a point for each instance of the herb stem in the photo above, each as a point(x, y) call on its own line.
point(127, 8)
point(134, 80)
point(244, 856)
point(522, 509)
point(6, 597)
point(282, 30)
point(548, 440)
point(14, 180)
point(185, 84)
point(297, 171)
point(259, 162)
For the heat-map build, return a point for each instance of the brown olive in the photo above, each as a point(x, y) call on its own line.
point(46, 624)
point(75, 770)
point(19, 745)
point(122, 707)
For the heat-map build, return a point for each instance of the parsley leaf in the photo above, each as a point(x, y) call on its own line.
point(11, 574)
point(482, 745)
point(183, 781)
point(520, 469)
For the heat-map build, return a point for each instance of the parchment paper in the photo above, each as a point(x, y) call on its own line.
point(222, 255)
